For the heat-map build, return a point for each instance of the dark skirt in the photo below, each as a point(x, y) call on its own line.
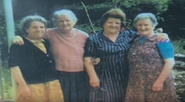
point(75, 86)
point(111, 89)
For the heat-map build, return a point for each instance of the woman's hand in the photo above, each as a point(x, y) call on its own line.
point(95, 82)
point(167, 69)
point(157, 86)
point(95, 61)
point(162, 37)
point(18, 40)
point(24, 91)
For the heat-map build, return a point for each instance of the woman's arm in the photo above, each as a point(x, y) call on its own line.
point(94, 80)
point(19, 40)
point(23, 87)
point(15, 60)
point(167, 69)
point(166, 50)
point(162, 37)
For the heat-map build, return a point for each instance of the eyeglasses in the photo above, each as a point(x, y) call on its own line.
point(98, 93)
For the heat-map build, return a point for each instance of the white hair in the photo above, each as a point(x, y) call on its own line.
point(64, 12)
point(144, 16)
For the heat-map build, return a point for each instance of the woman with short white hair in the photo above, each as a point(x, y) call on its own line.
point(150, 64)
point(67, 46)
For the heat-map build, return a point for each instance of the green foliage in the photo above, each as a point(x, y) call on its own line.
point(179, 69)
point(7, 84)
point(134, 7)
point(86, 27)
point(158, 6)
point(179, 46)
point(179, 83)
point(174, 19)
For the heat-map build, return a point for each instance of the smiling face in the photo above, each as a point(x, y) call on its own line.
point(36, 30)
point(145, 27)
point(112, 26)
point(65, 23)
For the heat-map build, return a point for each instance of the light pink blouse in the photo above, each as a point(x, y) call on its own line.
point(68, 53)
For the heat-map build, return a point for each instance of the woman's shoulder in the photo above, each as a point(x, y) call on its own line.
point(50, 32)
point(130, 33)
point(17, 46)
point(95, 35)
point(51, 29)
point(80, 32)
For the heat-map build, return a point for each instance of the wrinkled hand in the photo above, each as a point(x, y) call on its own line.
point(95, 61)
point(159, 30)
point(157, 86)
point(18, 40)
point(162, 37)
point(95, 82)
point(24, 91)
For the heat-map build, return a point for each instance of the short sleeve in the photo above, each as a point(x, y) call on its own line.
point(89, 48)
point(166, 49)
point(14, 56)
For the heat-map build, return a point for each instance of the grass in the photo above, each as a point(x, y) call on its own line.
point(7, 84)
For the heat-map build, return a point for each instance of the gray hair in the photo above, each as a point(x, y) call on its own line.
point(26, 21)
point(64, 12)
point(144, 16)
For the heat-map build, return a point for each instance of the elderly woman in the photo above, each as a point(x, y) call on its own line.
point(68, 49)
point(150, 63)
point(67, 46)
point(109, 78)
point(33, 66)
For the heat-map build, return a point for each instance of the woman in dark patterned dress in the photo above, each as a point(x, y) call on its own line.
point(150, 63)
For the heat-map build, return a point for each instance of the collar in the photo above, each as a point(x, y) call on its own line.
point(152, 38)
point(35, 41)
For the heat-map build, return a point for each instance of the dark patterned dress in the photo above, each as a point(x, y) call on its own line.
point(113, 67)
point(146, 64)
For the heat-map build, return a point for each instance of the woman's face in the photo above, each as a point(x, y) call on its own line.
point(112, 25)
point(36, 30)
point(145, 27)
point(65, 23)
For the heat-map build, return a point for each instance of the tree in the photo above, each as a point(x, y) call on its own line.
point(173, 22)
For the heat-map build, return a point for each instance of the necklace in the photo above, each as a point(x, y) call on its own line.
point(74, 34)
